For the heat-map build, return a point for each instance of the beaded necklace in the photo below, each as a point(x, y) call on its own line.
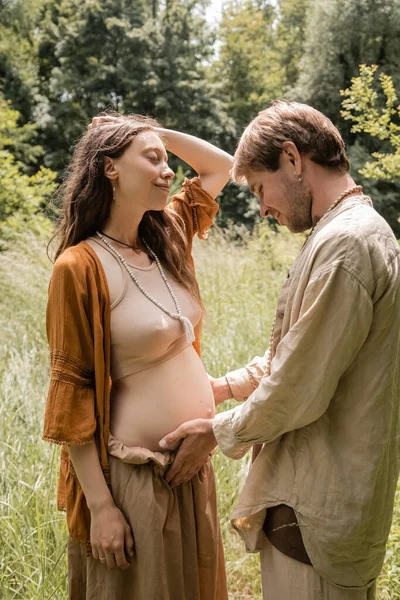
point(187, 324)
point(357, 189)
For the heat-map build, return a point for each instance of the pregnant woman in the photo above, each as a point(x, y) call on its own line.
point(123, 323)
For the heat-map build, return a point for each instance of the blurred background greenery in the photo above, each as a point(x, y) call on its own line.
point(64, 61)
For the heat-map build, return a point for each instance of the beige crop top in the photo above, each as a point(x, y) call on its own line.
point(142, 335)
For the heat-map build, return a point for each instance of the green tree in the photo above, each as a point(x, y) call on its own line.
point(246, 68)
point(373, 110)
point(289, 38)
point(341, 35)
point(363, 107)
point(18, 54)
point(92, 54)
point(260, 43)
point(132, 57)
point(176, 88)
point(22, 195)
point(247, 77)
point(260, 47)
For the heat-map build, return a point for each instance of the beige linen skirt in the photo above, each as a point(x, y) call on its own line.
point(178, 552)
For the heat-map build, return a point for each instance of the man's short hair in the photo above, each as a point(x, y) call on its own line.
point(312, 132)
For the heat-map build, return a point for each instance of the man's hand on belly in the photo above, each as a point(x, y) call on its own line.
point(198, 443)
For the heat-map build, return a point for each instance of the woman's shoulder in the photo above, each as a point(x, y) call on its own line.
point(75, 259)
point(77, 271)
point(81, 253)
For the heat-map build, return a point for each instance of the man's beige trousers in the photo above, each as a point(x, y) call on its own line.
point(284, 578)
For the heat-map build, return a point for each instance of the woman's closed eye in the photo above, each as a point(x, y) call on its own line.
point(157, 158)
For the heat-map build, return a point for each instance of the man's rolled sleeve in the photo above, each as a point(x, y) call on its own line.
point(245, 380)
point(227, 440)
point(239, 383)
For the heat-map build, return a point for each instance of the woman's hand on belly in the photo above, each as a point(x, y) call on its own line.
point(195, 450)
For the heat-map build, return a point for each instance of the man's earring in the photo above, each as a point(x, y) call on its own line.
point(297, 177)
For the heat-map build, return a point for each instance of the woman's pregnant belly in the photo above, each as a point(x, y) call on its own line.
point(146, 406)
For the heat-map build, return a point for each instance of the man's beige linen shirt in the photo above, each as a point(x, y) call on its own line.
point(328, 415)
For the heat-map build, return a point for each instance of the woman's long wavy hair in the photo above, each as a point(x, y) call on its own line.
point(86, 197)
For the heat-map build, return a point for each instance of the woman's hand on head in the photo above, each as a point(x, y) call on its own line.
point(111, 536)
point(99, 120)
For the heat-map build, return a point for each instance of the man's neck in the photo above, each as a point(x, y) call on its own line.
point(326, 188)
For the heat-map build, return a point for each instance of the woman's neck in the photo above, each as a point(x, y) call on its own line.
point(124, 227)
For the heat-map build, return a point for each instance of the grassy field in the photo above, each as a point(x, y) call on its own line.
point(240, 284)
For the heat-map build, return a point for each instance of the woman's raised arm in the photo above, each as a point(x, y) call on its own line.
point(210, 163)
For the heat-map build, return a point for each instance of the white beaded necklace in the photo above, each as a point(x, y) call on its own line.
point(357, 189)
point(187, 324)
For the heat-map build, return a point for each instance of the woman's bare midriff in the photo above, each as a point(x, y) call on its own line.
point(147, 405)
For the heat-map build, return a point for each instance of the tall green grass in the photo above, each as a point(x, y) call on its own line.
point(239, 283)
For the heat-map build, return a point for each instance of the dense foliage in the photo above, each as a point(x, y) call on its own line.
point(64, 61)
point(379, 119)
point(23, 194)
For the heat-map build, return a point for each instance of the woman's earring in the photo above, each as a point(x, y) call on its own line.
point(297, 177)
point(113, 189)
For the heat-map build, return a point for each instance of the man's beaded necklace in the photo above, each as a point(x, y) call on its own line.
point(357, 189)
point(187, 324)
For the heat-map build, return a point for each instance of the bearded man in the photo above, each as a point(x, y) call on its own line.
point(321, 408)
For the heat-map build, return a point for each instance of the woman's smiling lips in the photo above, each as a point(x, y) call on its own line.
point(164, 186)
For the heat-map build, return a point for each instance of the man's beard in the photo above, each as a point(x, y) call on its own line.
point(299, 206)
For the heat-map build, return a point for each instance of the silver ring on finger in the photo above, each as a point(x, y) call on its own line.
point(102, 559)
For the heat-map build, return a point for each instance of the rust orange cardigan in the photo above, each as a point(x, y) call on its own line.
point(78, 332)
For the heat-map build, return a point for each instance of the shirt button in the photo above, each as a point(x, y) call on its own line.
point(280, 314)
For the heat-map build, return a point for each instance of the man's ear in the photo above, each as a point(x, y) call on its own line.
point(291, 155)
point(110, 170)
